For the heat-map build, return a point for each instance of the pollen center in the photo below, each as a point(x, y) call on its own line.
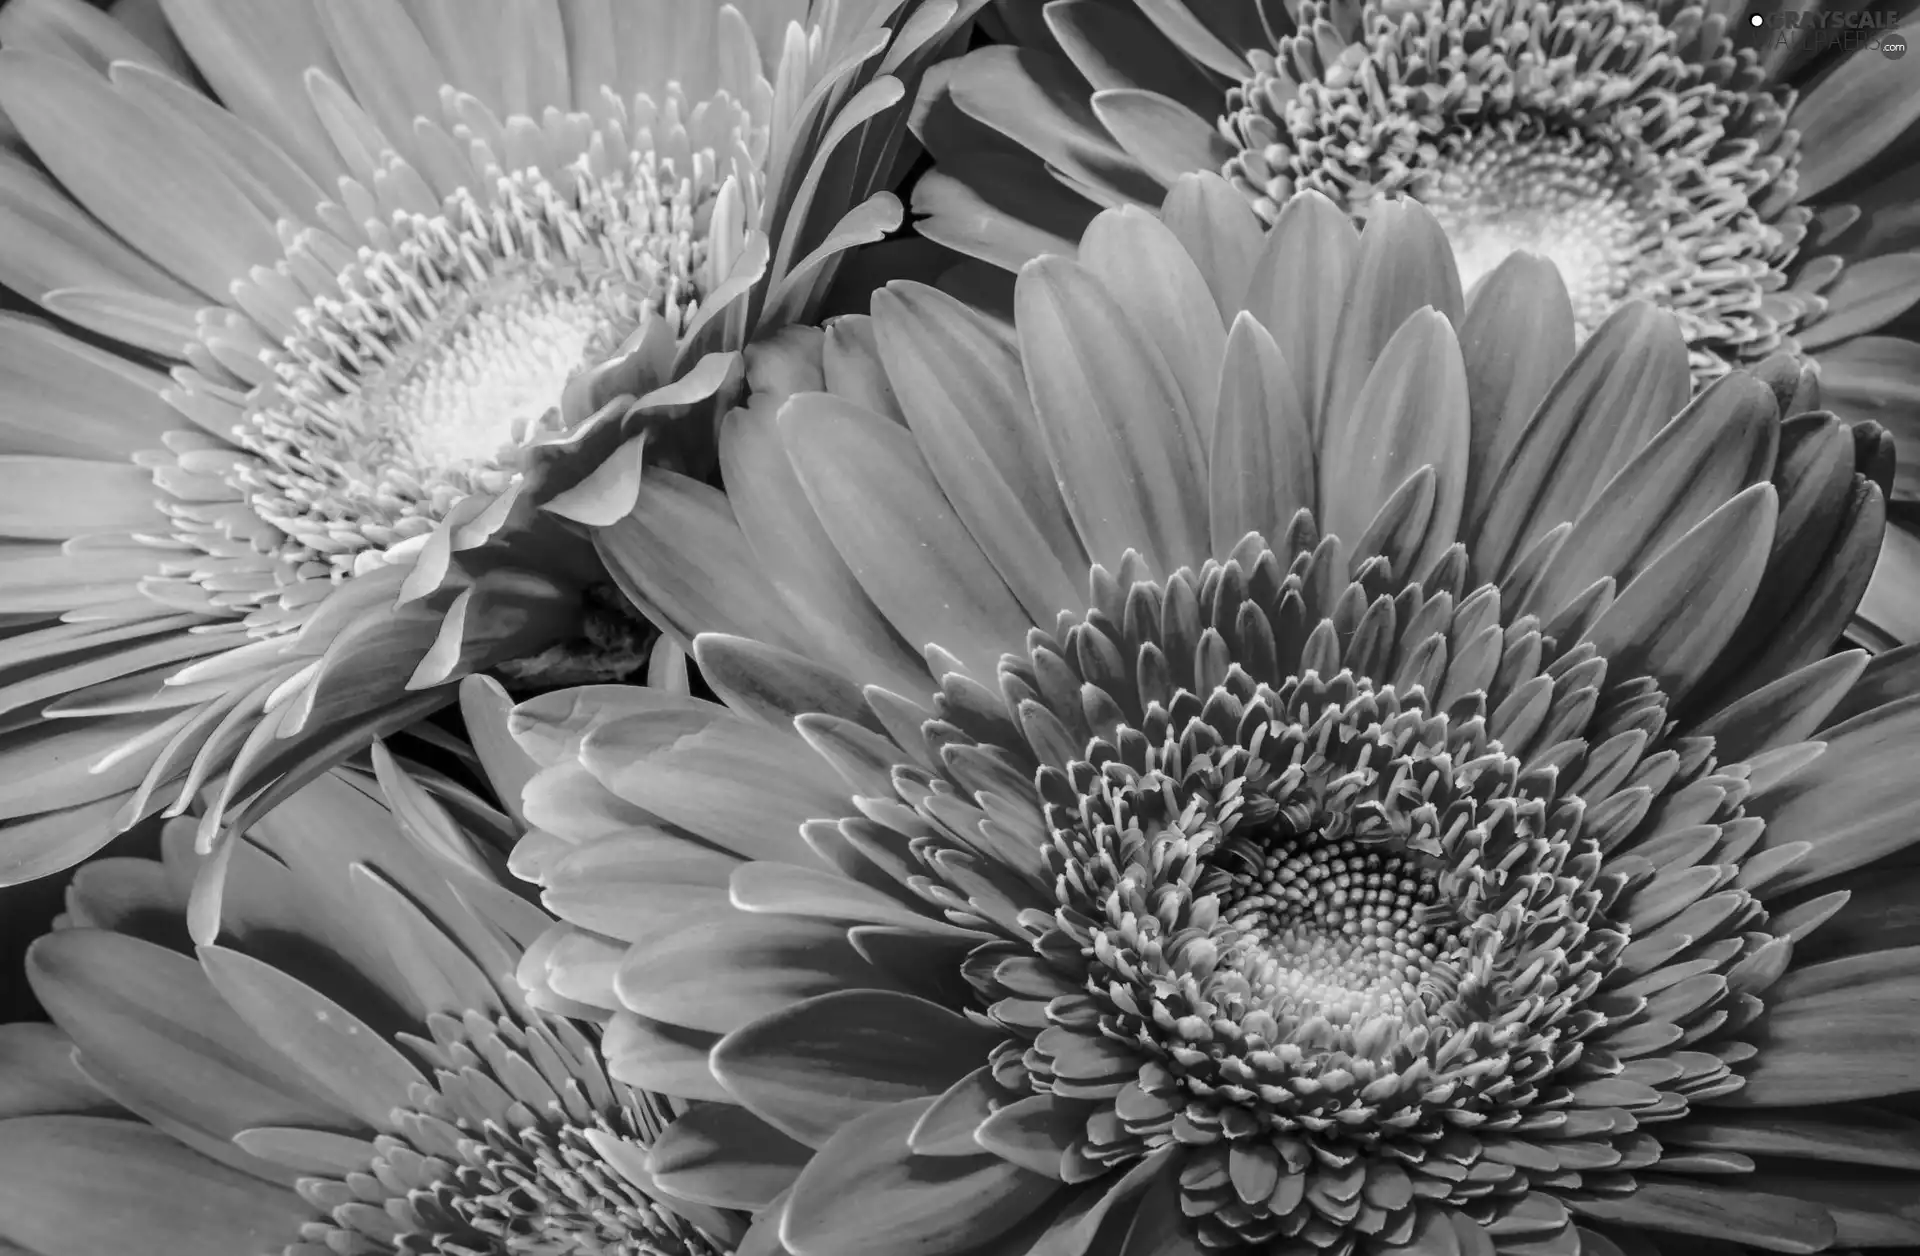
point(433, 362)
point(1334, 930)
point(1561, 198)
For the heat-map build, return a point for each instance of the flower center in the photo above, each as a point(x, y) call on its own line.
point(1330, 929)
point(501, 1158)
point(1558, 197)
point(1580, 131)
point(425, 370)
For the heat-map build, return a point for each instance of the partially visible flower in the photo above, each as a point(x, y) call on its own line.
point(432, 284)
point(1366, 804)
point(1659, 151)
point(353, 1069)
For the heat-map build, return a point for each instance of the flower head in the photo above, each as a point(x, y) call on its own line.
point(1664, 152)
point(430, 295)
point(353, 1068)
point(1360, 799)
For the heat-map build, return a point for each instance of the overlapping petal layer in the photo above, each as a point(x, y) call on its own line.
point(1741, 165)
point(352, 1068)
point(428, 292)
point(1262, 754)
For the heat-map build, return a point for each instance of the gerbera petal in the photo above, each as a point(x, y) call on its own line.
point(1116, 47)
point(1517, 337)
point(866, 1194)
point(689, 769)
point(1891, 604)
point(1142, 264)
point(1262, 464)
point(1187, 32)
point(1036, 99)
point(1853, 802)
point(46, 772)
point(719, 970)
point(1857, 109)
point(1721, 444)
point(815, 1066)
point(877, 499)
point(725, 1156)
point(1221, 234)
point(963, 204)
point(1835, 1043)
point(1123, 445)
point(797, 556)
point(681, 527)
point(1710, 1211)
point(1403, 265)
point(1163, 135)
point(1875, 377)
point(392, 72)
point(1867, 297)
point(38, 1076)
point(188, 216)
point(355, 1066)
point(1313, 250)
point(1634, 370)
point(1411, 413)
point(78, 1186)
point(1789, 710)
point(76, 31)
point(66, 399)
point(774, 684)
point(617, 884)
point(959, 385)
point(152, 1028)
point(1672, 620)
point(257, 73)
point(1849, 1134)
point(47, 247)
point(666, 1059)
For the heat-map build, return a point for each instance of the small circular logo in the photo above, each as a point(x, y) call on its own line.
point(1893, 47)
point(1757, 20)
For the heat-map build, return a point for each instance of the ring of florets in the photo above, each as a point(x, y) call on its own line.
point(1655, 171)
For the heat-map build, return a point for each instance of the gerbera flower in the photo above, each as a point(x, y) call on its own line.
point(422, 288)
point(1655, 151)
point(352, 1069)
point(1366, 805)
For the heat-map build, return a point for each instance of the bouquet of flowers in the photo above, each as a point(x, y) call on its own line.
point(960, 627)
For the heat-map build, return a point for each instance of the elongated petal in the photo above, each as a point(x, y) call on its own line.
point(720, 970)
point(1311, 253)
point(1721, 444)
point(1142, 264)
point(1411, 413)
point(1671, 622)
point(1404, 264)
point(353, 1064)
point(1262, 465)
point(865, 1194)
point(742, 786)
point(900, 537)
point(1622, 386)
point(723, 1155)
point(1851, 114)
point(818, 1065)
point(79, 1186)
point(150, 1024)
point(1517, 338)
point(1123, 444)
point(1855, 803)
point(1220, 232)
